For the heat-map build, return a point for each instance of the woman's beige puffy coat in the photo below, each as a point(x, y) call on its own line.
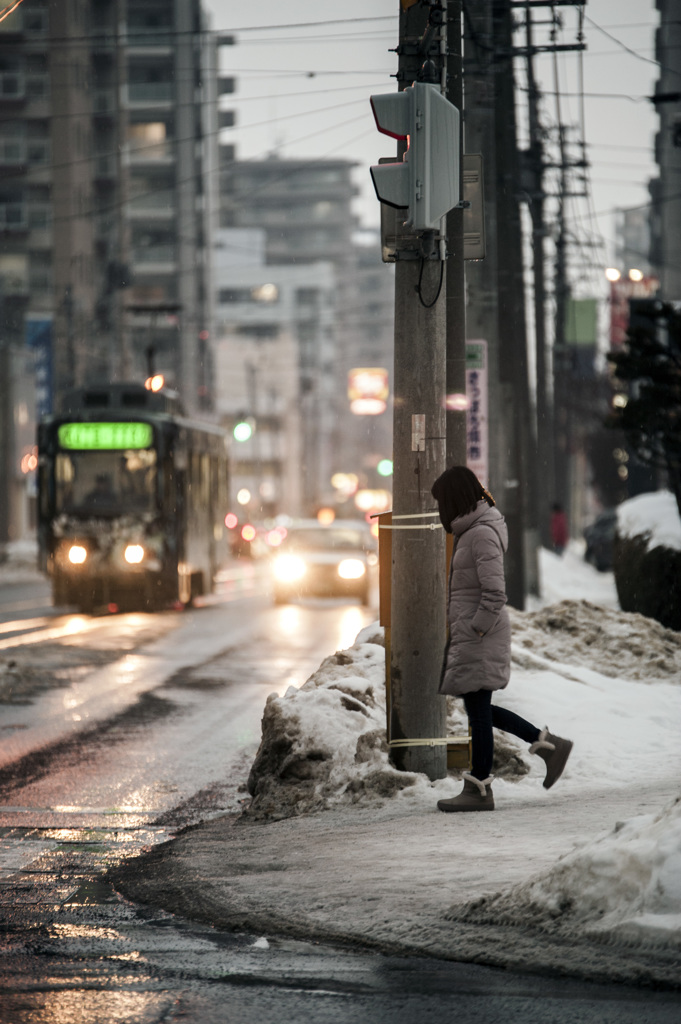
point(476, 604)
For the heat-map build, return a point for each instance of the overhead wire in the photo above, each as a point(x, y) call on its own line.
point(6, 11)
point(39, 169)
point(104, 35)
point(627, 49)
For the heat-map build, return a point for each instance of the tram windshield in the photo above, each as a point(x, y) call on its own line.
point(106, 482)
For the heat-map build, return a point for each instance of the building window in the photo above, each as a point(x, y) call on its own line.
point(36, 21)
point(259, 331)
point(227, 296)
point(267, 294)
point(39, 216)
point(307, 296)
point(149, 141)
point(12, 143)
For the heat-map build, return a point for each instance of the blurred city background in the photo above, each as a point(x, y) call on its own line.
point(144, 232)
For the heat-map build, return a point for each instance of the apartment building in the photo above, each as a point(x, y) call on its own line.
point(275, 342)
point(108, 186)
point(108, 153)
point(303, 208)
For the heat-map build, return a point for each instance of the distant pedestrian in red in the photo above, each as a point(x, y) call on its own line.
point(559, 529)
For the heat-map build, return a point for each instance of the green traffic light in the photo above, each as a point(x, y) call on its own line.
point(242, 431)
point(385, 467)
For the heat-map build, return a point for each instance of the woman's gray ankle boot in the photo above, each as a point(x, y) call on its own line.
point(475, 796)
point(554, 751)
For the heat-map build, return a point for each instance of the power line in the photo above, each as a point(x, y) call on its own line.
point(315, 24)
point(6, 11)
point(39, 169)
point(627, 49)
point(112, 37)
point(112, 207)
point(336, 38)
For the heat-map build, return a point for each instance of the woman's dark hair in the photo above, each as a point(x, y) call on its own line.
point(457, 491)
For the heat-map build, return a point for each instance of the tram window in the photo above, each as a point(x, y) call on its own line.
point(111, 482)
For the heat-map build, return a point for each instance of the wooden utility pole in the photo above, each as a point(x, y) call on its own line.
point(417, 711)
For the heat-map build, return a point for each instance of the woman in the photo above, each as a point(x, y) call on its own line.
point(478, 656)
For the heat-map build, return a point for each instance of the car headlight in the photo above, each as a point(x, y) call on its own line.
point(133, 554)
point(351, 569)
point(289, 568)
point(77, 554)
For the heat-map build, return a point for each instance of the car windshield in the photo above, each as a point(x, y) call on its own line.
point(106, 483)
point(328, 539)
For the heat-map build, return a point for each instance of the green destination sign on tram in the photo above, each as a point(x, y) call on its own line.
point(105, 436)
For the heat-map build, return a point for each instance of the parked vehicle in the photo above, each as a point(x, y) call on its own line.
point(325, 561)
point(131, 500)
point(600, 539)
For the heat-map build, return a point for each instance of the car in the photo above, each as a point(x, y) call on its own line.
point(600, 540)
point(313, 560)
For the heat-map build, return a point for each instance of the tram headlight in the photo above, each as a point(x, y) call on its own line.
point(351, 569)
point(133, 554)
point(289, 568)
point(77, 554)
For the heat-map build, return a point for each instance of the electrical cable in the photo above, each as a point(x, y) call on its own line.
point(429, 305)
point(141, 35)
point(627, 49)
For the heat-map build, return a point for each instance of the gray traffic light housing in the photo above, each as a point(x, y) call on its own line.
point(425, 184)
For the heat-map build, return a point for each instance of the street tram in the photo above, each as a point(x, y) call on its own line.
point(131, 500)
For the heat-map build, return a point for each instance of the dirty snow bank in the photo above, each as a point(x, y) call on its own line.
point(324, 744)
point(654, 516)
point(574, 664)
point(611, 642)
point(623, 885)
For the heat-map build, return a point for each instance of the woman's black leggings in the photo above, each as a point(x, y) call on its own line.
point(482, 716)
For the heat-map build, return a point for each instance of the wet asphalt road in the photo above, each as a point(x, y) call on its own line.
point(152, 724)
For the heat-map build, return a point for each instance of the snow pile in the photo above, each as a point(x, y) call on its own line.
point(325, 743)
point(576, 666)
point(613, 643)
point(606, 679)
point(623, 885)
point(653, 516)
point(327, 739)
point(568, 577)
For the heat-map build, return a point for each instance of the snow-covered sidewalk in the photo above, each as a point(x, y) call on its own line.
point(584, 879)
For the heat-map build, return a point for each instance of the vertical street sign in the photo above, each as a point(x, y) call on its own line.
point(477, 413)
point(39, 341)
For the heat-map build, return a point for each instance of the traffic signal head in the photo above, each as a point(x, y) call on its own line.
point(425, 184)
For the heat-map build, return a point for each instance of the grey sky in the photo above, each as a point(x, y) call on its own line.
point(304, 91)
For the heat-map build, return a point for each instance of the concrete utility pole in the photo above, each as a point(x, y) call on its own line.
point(535, 167)
point(6, 426)
point(550, 469)
point(417, 713)
point(666, 188)
point(516, 494)
point(455, 285)
point(495, 291)
point(562, 370)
